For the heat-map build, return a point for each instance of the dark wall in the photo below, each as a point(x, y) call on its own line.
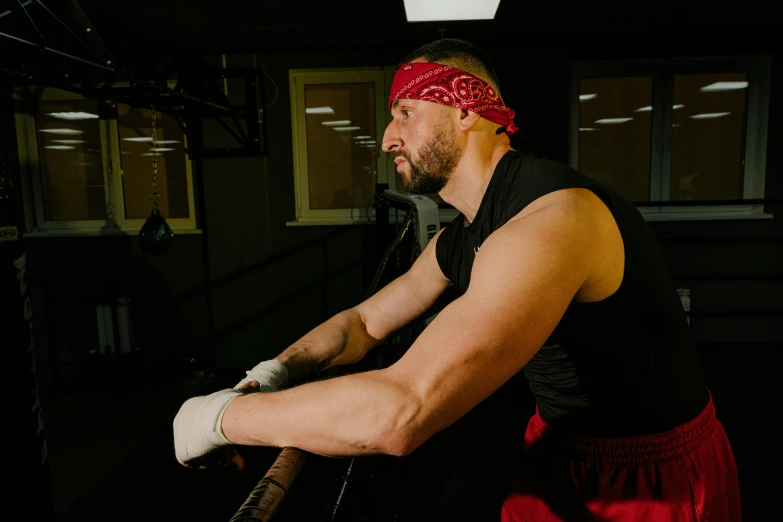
point(268, 283)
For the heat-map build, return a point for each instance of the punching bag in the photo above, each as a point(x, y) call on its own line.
point(29, 443)
point(156, 236)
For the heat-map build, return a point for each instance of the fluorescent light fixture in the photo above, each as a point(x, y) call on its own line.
point(587, 129)
point(161, 149)
point(649, 108)
point(336, 123)
point(346, 128)
point(60, 147)
point(611, 121)
point(724, 86)
point(319, 110)
point(68, 142)
point(65, 132)
point(152, 153)
point(365, 141)
point(72, 115)
point(8, 12)
point(448, 10)
point(676, 124)
point(586, 97)
point(362, 137)
point(166, 142)
point(709, 115)
point(139, 139)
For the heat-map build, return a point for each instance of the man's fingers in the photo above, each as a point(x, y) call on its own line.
point(250, 387)
point(225, 457)
point(237, 461)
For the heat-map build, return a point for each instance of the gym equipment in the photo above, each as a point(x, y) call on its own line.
point(28, 441)
point(155, 237)
point(269, 493)
point(425, 214)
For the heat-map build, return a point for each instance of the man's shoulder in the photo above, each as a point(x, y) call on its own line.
point(528, 161)
point(571, 204)
point(537, 176)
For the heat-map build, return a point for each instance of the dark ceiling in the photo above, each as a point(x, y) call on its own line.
point(208, 25)
point(156, 30)
point(229, 25)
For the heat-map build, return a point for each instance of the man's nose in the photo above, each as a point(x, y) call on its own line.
point(391, 139)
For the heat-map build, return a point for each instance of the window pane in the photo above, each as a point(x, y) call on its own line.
point(342, 164)
point(69, 149)
point(708, 138)
point(136, 150)
point(615, 133)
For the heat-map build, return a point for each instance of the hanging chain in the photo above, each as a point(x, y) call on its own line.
point(154, 150)
point(109, 160)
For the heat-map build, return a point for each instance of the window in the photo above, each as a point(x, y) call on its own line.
point(338, 120)
point(71, 161)
point(665, 133)
point(90, 163)
point(136, 147)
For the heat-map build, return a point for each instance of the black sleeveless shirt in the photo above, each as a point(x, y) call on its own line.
point(622, 366)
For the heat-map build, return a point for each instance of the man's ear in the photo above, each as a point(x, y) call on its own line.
point(467, 119)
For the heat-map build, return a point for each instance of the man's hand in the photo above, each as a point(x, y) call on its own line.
point(266, 376)
point(198, 438)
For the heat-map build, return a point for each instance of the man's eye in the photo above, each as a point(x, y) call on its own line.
point(405, 113)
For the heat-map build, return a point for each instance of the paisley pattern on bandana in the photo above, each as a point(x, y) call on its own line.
point(452, 87)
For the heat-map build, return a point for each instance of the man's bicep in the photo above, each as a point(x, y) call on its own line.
point(405, 298)
point(522, 282)
point(527, 273)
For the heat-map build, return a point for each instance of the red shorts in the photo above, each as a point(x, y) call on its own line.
point(686, 474)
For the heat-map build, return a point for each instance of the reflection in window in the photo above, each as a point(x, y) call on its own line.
point(136, 150)
point(69, 151)
point(708, 136)
point(615, 133)
point(341, 144)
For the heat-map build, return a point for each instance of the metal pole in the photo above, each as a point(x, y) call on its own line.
point(196, 146)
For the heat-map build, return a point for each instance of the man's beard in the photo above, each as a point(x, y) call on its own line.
point(436, 161)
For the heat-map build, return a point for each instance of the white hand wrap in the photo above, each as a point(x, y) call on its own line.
point(197, 425)
point(271, 375)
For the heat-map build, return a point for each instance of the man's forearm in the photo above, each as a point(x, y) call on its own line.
point(343, 339)
point(327, 417)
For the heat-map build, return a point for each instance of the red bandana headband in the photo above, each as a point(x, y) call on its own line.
point(446, 85)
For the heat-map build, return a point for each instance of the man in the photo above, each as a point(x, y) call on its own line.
point(559, 277)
